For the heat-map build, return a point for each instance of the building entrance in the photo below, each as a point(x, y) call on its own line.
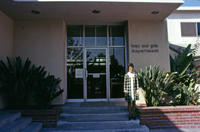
point(95, 62)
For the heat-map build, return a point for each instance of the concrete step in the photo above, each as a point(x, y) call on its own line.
point(94, 117)
point(138, 129)
point(96, 104)
point(94, 110)
point(123, 128)
point(33, 127)
point(16, 125)
point(98, 125)
point(8, 117)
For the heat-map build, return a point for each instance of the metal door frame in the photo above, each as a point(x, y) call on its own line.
point(85, 76)
point(108, 98)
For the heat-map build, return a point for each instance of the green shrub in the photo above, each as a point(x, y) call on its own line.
point(22, 82)
point(47, 89)
point(184, 91)
point(176, 87)
point(162, 88)
point(15, 79)
point(154, 82)
point(182, 62)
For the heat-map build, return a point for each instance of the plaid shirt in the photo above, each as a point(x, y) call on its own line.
point(128, 89)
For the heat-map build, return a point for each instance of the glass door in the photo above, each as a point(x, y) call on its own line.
point(96, 73)
point(95, 62)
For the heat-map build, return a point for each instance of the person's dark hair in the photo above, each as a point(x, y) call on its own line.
point(131, 65)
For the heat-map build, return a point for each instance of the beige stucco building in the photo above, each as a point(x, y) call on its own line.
point(104, 33)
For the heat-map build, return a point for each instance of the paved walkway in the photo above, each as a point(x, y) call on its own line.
point(176, 130)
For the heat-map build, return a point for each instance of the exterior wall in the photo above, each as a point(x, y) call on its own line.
point(174, 28)
point(6, 40)
point(148, 33)
point(43, 41)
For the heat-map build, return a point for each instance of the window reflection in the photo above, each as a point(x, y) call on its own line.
point(101, 35)
point(90, 36)
point(95, 36)
point(96, 65)
point(74, 61)
point(74, 35)
point(117, 71)
point(198, 25)
point(96, 61)
point(116, 35)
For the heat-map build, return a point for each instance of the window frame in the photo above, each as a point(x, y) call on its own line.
point(108, 46)
point(197, 30)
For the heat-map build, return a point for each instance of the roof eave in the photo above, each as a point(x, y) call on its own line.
point(136, 1)
point(188, 8)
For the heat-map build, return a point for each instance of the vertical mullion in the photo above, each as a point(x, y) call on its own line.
point(111, 42)
point(196, 29)
point(95, 41)
point(108, 66)
point(84, 67)
point(66, 62)
point(83, 36)
point(125, 48)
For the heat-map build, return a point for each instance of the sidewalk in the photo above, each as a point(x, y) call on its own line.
point(176, 130)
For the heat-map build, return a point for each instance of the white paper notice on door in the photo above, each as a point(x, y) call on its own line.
point(96, 75)
point(79, 73)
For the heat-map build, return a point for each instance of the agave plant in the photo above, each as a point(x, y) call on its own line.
point(22, 81)
point(154, 82)
point(15, 79)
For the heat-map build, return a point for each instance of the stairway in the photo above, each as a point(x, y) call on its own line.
point(96, 117)
point(13, 122)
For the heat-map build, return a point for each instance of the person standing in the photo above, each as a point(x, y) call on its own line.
point(130, 89)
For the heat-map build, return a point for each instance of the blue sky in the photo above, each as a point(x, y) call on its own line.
point(191, 3)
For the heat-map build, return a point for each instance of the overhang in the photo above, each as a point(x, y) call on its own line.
point(83, 11)
point(144, 1)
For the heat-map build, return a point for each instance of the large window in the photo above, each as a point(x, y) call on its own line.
point(190, 29)
point(117, 60)
point(95, 36)
point(79, 39)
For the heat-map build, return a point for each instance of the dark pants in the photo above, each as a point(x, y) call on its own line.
point(131, 109)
